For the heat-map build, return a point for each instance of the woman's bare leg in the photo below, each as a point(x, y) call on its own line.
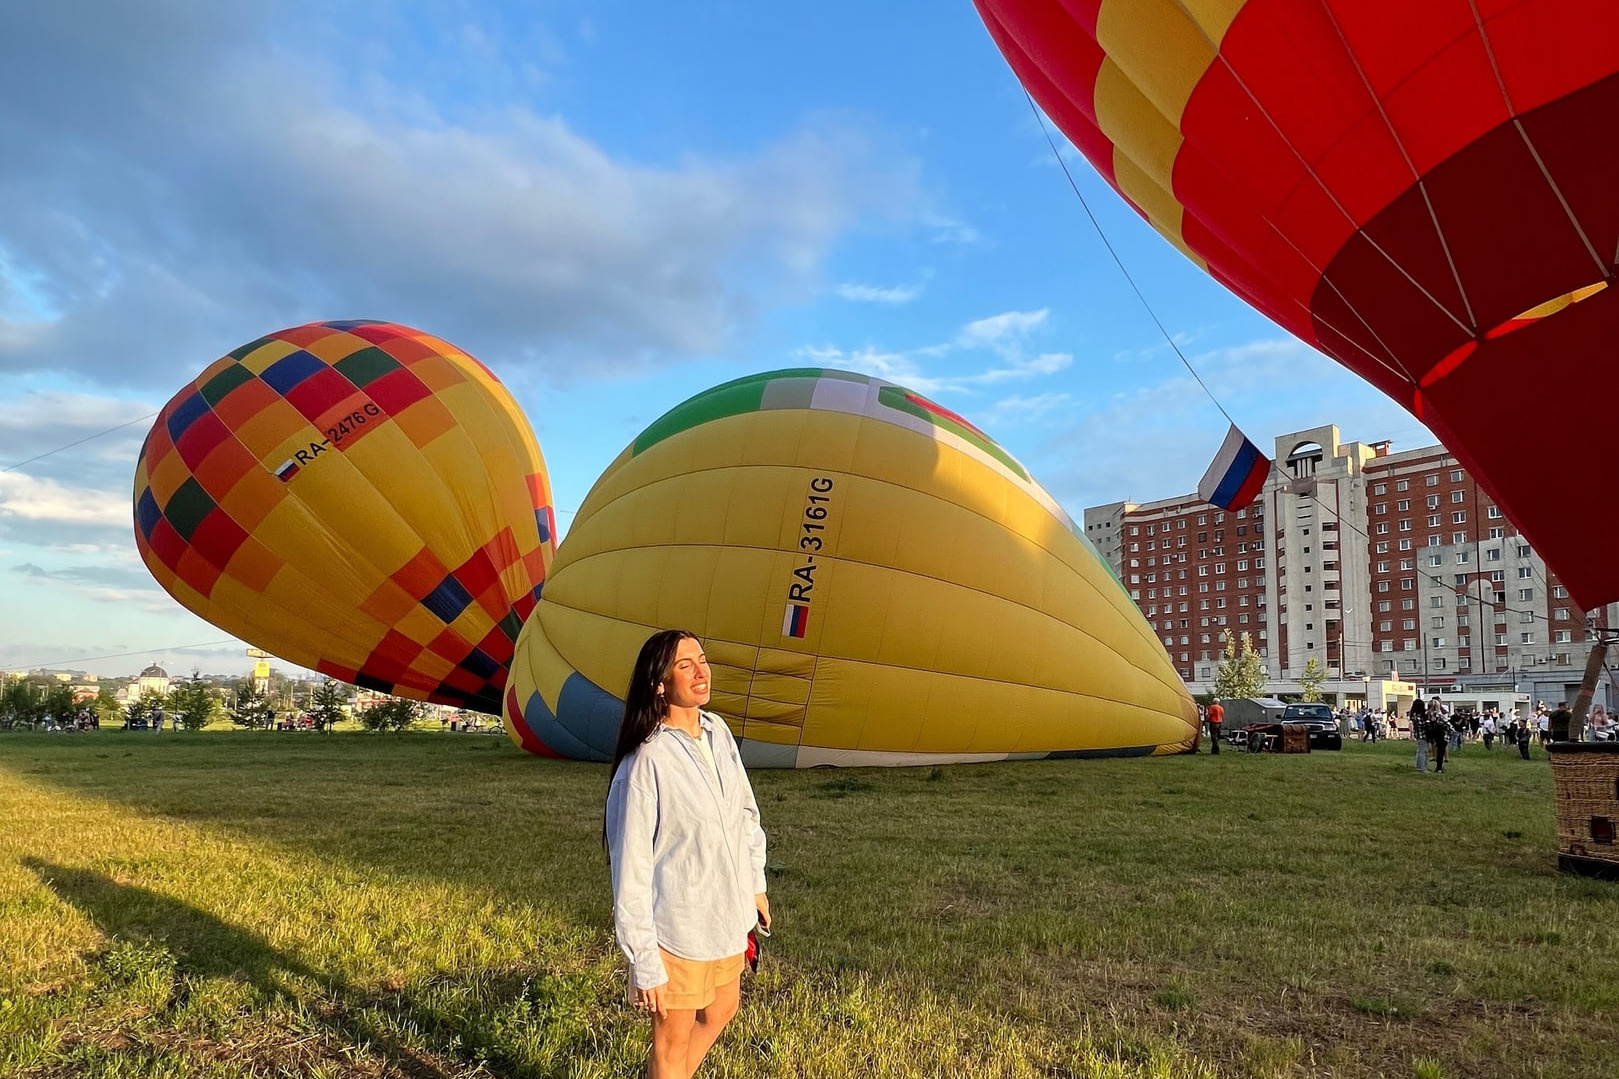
point(671, 1044)
point(711, 1020)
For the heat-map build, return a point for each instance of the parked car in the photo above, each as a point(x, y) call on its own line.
point(1324, 733)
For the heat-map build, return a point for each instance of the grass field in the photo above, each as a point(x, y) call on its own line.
point(432, 905)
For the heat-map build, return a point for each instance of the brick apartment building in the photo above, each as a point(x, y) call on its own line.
point(1380, 565)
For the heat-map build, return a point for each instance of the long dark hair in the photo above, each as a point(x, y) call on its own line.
point(644, 706)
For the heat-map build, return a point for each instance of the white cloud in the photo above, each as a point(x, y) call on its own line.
point(206, 207)
point(1004, 331)
point(1017, 409)
point(949, 230)
point(899, 294)
point(24, 498)
point(1004, 336)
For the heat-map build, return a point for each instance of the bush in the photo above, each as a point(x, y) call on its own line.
point(393, 714)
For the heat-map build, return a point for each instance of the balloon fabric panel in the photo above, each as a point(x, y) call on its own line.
point(314, 495)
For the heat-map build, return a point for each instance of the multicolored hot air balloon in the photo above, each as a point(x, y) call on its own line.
point(875, 580)
point(359, 498)
point(1424, 191)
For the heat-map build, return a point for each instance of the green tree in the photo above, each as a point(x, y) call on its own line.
point(1310, 679)
point(326, 707)
point(58, 701)
point(1241, 673)
point(142, 710)
point(252, 710)
point(393, 714)
point(193, 702)
point(22, 705)
point(106, 704)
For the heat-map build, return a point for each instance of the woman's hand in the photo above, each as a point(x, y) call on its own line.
point(761, 902)
point(653, 1000)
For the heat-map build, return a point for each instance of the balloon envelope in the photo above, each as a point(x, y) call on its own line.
point(874, 579)
point(1424, 191)
point(357, 497)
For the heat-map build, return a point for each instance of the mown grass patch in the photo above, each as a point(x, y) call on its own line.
point(352, 905)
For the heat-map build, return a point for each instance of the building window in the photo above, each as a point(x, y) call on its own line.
point(1493, 554)
point(1525, 572)
point(1493, 513)
point(1456, 476)
point(1458, 496)
point(1526, 638)
point(1403, 505)
point(1436, 560)
point(1437, 622)
point(1380, 489)
point(1463, 557)
point(1405, 525)
point(1433, 520)
point(1407, 583)
point(1526, 595)
point(1562, 636)
point(1431, 479)
point(1402, 485)
point(1382, 528)
point(1458, 517)
point(1439, 663)
point(1409, 623)
point(1433, 502)
point(1559, 592)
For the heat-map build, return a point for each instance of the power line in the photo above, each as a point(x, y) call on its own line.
point(79, 442)
point(117, 655)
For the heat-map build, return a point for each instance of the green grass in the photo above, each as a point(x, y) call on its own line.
point(246, 904)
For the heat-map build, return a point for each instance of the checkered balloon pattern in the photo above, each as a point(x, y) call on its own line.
point(359, 498)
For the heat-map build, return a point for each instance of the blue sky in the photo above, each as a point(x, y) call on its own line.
point(613, 205)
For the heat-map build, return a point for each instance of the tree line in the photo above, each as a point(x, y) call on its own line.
point(34, 704)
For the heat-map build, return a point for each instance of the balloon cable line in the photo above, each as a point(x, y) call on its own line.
point(116, 655)
point(79, 442)
point(1117, 261)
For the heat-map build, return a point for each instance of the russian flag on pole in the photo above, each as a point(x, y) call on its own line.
point(1237, 474)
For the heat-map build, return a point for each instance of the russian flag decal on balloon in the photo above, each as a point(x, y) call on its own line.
point(796, 620)
point(1237, 474)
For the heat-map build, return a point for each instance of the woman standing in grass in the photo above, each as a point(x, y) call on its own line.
point(688, 854)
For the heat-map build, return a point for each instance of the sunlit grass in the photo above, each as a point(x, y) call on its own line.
point(353, 905)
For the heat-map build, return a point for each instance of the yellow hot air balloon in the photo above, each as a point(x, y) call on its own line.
point(358, 498)
point(875, 580)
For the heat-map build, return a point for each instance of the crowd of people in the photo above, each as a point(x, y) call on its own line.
point(1438, 730)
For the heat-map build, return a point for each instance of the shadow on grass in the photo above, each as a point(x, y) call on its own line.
point(176, 941)
point(526, 1021)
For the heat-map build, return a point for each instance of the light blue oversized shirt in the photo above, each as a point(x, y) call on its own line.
point(688, 854)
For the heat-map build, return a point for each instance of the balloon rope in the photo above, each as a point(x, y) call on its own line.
point(1120, 262)
point(80, 442)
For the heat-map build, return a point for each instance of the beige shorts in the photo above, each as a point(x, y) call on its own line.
point(693, 983)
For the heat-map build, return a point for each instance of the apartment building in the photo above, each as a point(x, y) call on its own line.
point(1378, 564)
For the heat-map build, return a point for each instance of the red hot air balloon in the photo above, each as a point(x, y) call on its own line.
point(1423, 191)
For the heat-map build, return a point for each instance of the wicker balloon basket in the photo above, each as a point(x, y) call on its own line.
point(1586, 775)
